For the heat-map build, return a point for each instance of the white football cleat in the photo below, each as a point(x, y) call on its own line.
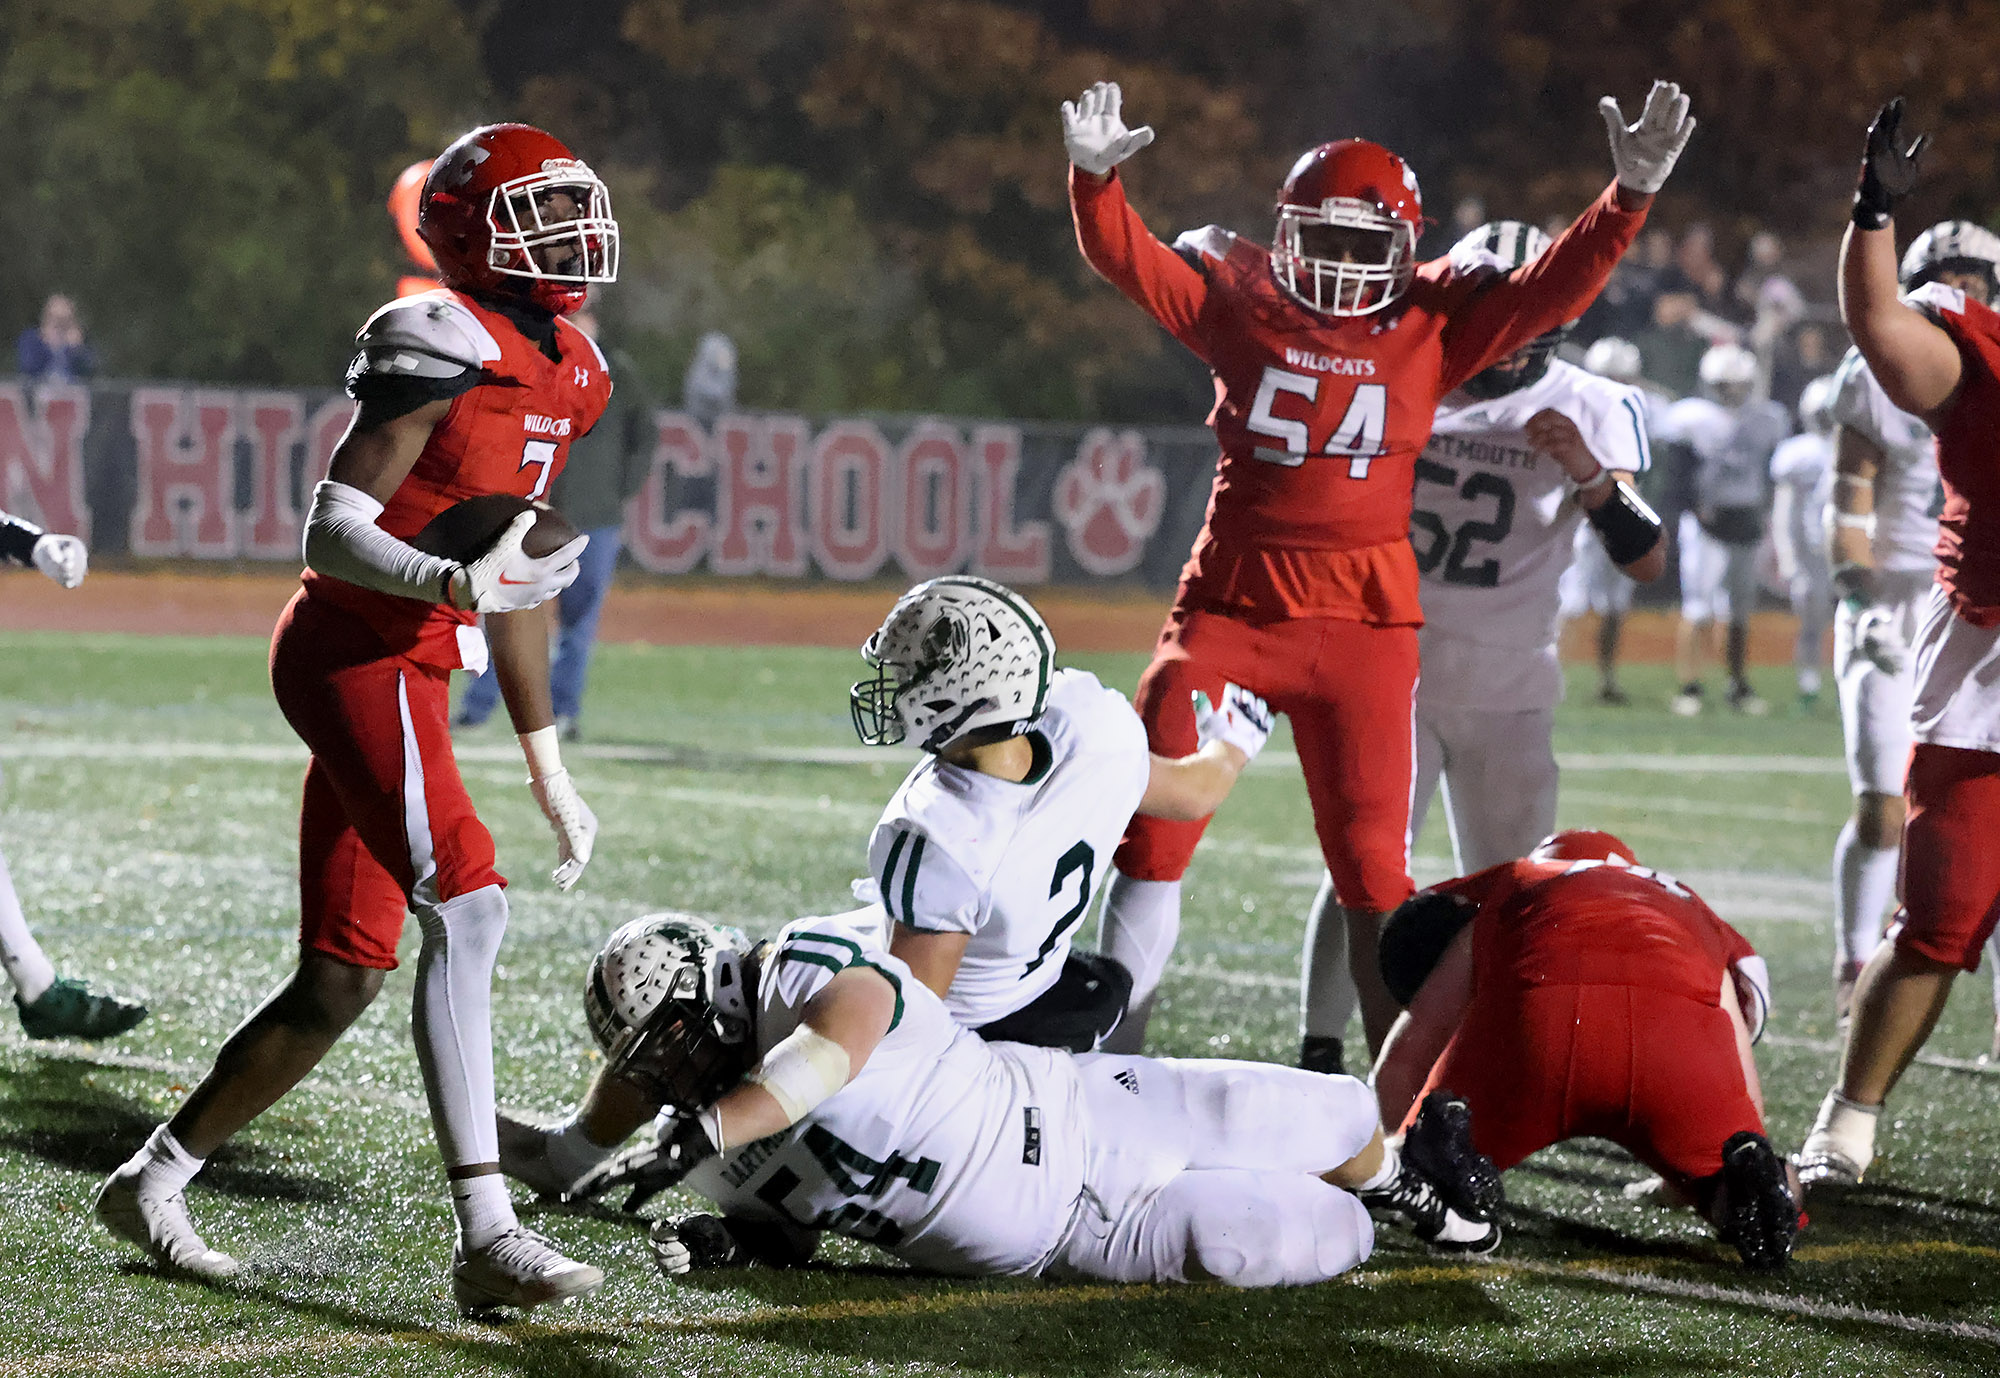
point(524, 1156)
point(159, 1225)
point(519, 1269)
point(1822, 1162)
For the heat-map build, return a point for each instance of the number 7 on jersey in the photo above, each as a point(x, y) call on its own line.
point(1358, 437)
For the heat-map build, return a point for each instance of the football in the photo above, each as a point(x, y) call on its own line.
point(466, 530)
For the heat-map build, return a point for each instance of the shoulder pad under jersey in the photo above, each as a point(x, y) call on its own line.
point(1205, 247)
point(426, 336)
point(602, 363)
point(1936, 298)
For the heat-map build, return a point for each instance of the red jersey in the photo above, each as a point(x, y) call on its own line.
point(1968, 454)
point(1320, 417)
point(510, 434)
point(1592, 923)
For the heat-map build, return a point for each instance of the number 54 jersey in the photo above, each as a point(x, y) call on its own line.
point(1013, 865)
point(957, 1155)
point(1494, 527)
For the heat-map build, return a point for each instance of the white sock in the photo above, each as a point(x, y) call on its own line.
point(1849, 1124)
point(1327, 998)
point(453, 1021)
point(20, 954)
point(1392, 1165)
point(572, 1152)
point(483, 1209)
point(1864, 885)
point(1141, 924)
point(164, 1165)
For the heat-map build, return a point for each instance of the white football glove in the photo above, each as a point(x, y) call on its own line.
point(62, 558)
point(694, 1241)
point(1243, 721)
point(1644, 151)
point(1095, 133)
point(574, 824)
point(506, 579)
point(1877, 641)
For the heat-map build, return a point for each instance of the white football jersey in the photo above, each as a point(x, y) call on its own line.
point(957, 1155)
point(1013, 865)
point(1804, 463)
point(1494, 527)
point(1908, 493)
point(1732, 446)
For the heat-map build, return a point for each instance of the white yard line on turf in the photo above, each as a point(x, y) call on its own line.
point(67, 748)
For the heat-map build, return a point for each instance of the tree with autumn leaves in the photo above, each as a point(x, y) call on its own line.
point(868, 194)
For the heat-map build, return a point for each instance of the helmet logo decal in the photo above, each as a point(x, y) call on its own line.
point(468, 160)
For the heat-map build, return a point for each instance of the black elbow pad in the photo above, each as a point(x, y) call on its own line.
point(1628, 527)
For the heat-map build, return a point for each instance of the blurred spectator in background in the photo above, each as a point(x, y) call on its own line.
point(1670, 348)
point(1625, 307)
point(55, 351)
point(1695, 257)
point(1468, 215)
point(1801, 355)
point(605, 468)
point(709, 389)
point(1764, 292)
point(1802, 487)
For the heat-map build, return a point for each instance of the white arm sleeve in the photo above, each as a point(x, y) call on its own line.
point(343, 542)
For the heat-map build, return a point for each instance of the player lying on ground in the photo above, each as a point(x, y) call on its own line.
point(812, 1083)
point(1886, 500)
point(1331, 350)
point(50, 1006)
point(1937, 357)
point(475, 389)
point(1521, 457)
point(991, 851)
point(1575, 993)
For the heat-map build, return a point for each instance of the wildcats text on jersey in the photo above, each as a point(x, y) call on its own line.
point(1329, 363)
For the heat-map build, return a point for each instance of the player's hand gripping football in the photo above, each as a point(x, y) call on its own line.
point(1243, 721)
point(1878, 642)
point(508, 579)
point(1888, 169)
point(693, 1241)
point(1644, 151)
point(574, 824)
point(1095, 133)
point(656, 1163)
point(62, 558)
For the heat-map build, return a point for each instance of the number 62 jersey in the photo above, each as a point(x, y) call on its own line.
point(1493, 528)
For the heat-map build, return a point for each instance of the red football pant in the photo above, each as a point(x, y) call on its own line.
point(1656, 1072)
point(1951, 854)
point(1348, 689)
point(386, 823)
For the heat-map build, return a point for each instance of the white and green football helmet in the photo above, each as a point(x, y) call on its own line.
point(956, 656)
point(668, 999)
point(1952, 246)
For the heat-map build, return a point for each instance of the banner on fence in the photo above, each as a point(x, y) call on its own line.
point(173, 470)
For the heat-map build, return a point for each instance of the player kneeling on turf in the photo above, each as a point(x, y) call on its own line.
point(811, 1083)
point(1575, 993)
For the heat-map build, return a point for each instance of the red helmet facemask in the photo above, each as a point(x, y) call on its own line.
point(509, 209)
point(1581, 844)
point(1348, 218)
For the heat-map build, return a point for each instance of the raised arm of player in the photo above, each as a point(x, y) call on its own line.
point(1914, 360)
point(1114, 240)
point(1229, 738)
point(1539, 296)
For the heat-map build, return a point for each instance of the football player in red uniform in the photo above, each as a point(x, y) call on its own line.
point(1576, 993)
point(1330, 351)
point(1936, 355)
point(476, 388)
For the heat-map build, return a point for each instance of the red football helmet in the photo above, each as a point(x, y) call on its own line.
point(507, 201)
point(1581, 844)
point(1348, 219)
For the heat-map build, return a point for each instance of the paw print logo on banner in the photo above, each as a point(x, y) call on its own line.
point(1110, 501)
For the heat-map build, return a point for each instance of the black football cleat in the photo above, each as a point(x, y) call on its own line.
point(1761, 1219)
point(1439, 1145)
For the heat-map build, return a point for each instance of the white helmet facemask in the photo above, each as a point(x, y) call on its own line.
point(1338, 287)
point(516, 212)
point(955, 655)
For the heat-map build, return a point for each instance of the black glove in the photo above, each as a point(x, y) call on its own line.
point(1888, 171)
point(695, 1241)
point(650, 1166)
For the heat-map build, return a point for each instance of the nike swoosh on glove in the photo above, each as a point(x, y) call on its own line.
point(508, 579)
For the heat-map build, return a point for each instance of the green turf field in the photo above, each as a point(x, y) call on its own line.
point(148, 814)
